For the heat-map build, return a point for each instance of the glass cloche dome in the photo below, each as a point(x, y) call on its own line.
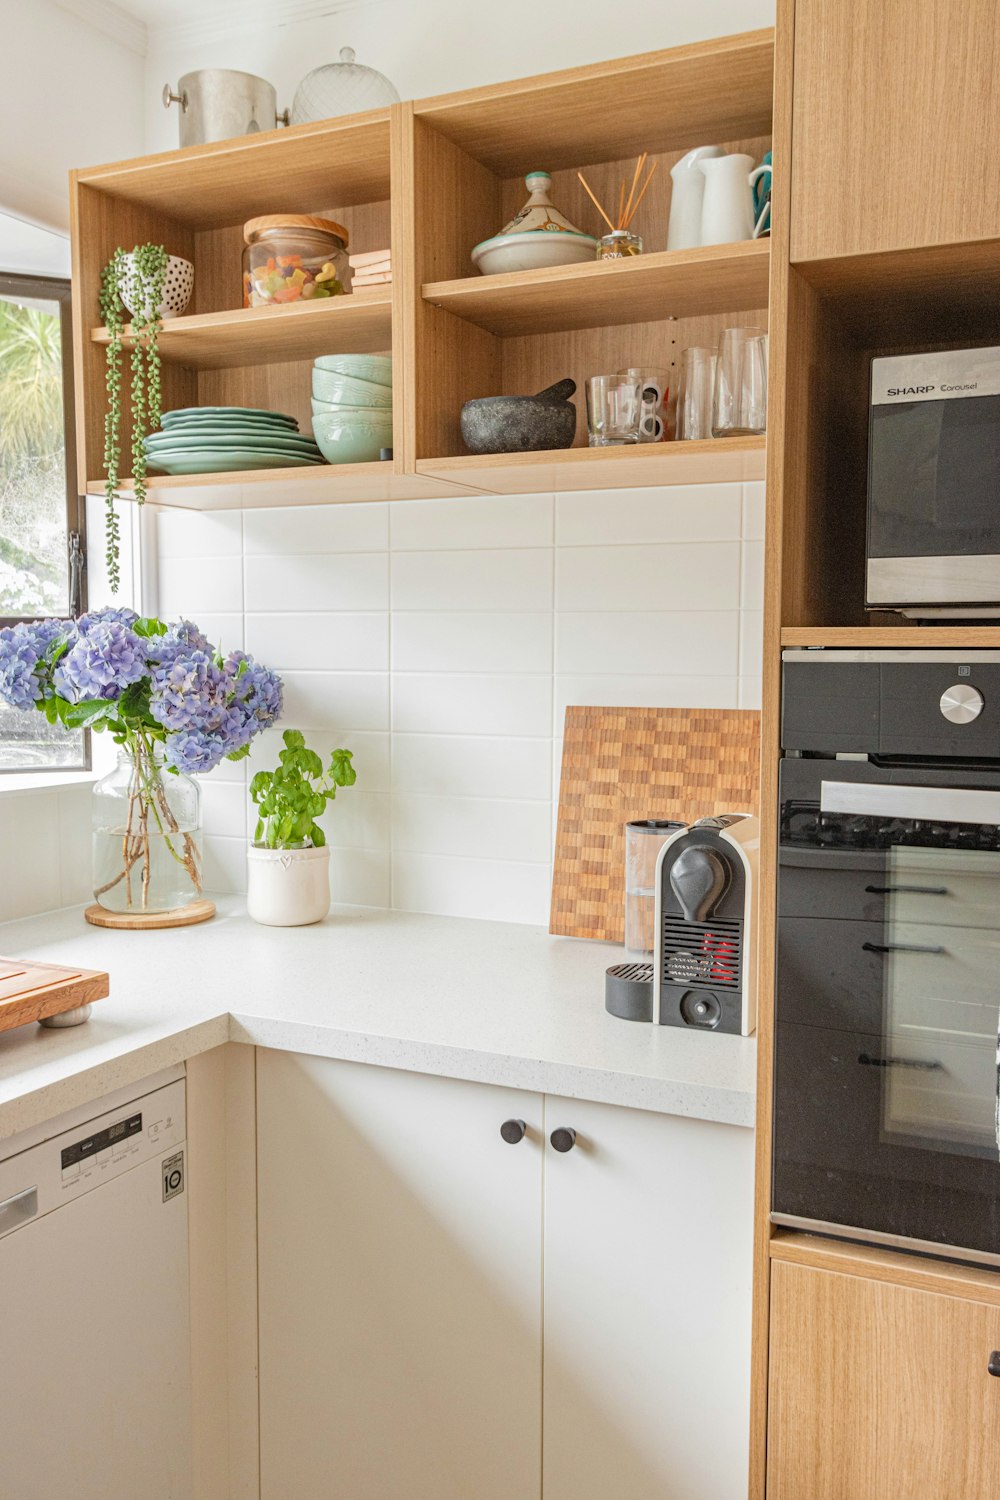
point(341, 88)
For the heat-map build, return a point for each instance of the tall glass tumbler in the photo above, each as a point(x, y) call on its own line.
point(753, 384)
point(736, 398)
point(694, 394)
point(614, 410)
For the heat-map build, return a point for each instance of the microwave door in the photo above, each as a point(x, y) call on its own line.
point(940, 955)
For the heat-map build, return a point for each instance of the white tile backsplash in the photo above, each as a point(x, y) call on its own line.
point(441, 641)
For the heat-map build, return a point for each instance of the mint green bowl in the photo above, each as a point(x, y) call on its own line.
point(374, 367)
point(351, 442)
point(345, 390)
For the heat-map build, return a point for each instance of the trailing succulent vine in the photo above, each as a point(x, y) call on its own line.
point(142, 275)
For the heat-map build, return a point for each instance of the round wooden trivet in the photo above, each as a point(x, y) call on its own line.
point(181, 916)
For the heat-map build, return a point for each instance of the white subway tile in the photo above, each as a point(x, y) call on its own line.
point(751, 642)
point(471, 765)
point(224, 631)
point(753, 510)
point(519, 579)
point(471, 826)
point(425, 641)
point(318, 581)
point(358, 820)
point(750, 692)
point(316, 528)
point(642, 692)
point(673, 513)
point(196, 533)
point(497, 890)
point(29, 854)
point(452, 703)
point(689, 576)
point(225, 865)
point(361, 877)
point(650, 643)
point(192, 585)
point(335, 700)
point(75, 855)
point(752, 581)
point(223, 807)
point(472, 521)
point(320, 642)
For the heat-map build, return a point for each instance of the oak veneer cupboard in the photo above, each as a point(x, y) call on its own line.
point(445, 1315)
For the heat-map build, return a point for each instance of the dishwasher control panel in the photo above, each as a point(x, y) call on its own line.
point(68, 1165)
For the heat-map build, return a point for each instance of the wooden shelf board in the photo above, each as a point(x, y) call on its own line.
point(360, 323)
point(716, 461)
point(873, 636)
point(598, 294)
point(719, 90)
point(973, 1283)
point(324, 484)
point(344, 161)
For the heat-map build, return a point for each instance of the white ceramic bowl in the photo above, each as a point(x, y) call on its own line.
point(532, 251)
point(343, 442)
point(374, 367)
point(345, 390)
point(178, 285)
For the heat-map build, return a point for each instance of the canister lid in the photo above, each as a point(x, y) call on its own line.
point(294, 221)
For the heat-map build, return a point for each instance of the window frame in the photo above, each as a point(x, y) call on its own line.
point(59, 289)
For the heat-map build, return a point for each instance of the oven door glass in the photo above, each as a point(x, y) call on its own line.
point(888, 1006)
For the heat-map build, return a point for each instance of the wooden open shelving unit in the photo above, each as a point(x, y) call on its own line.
point(431, 179)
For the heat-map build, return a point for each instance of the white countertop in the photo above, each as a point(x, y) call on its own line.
point(494, 1002)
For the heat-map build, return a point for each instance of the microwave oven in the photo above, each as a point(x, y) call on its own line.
point(934, 484)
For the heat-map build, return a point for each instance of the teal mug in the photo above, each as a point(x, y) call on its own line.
point(760, 181)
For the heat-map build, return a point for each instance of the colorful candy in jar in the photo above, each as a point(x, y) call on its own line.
point(294, 258)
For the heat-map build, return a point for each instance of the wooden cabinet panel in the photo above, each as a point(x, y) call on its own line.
point(879, 1390)
point(895, 105)
point(400, 1289)
point(647, 1306)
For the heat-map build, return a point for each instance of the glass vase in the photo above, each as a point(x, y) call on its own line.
point(146, 835)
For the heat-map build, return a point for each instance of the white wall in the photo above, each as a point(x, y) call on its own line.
point(71, 96)
point(441, 641)
point(432, 46)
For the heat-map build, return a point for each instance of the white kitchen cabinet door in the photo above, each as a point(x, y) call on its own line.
point(648, 1253)
point(400, 1285)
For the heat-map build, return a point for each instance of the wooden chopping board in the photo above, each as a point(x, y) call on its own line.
point(31, 991)
point(620, 764)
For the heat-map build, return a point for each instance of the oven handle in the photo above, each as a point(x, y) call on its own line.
point(907, 890)
point(900, 948)
point(898, 1062)
point(936, 804)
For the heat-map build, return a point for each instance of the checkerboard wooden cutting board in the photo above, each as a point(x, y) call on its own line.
point(620, 764)
point(31, 991)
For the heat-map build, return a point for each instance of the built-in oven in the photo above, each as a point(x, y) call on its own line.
point(886, 1121)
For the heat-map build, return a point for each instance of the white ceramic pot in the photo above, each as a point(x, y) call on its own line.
point(727, 208)
point(288, 887)
point(178, 284)
point(686, 195)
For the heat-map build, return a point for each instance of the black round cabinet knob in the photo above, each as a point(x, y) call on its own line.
point(993, 1364)
point(563, 1139)
point(512, 1131)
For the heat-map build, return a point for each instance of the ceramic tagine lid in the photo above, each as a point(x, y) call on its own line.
point(539, 212)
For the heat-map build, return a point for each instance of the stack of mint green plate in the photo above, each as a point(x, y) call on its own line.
point(211, 439)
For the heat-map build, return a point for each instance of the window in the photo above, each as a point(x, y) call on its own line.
point(41, 516)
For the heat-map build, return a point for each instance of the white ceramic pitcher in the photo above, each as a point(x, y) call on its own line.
point(686, 195)
point(727, 207)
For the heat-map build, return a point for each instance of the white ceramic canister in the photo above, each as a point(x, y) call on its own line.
point(288, 887)
point(686, 195)
point(727, 208)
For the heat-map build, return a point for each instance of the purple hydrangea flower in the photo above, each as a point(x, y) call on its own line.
point(179, 640)
point(192, 751)
point(112, 615)
point(22, 666)
point(189, 692)
point(258, 690)
point(101, 663)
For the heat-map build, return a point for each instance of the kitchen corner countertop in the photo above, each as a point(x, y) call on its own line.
point(493, 1002)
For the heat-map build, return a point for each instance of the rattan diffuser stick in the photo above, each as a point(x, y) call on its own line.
point(627, 207)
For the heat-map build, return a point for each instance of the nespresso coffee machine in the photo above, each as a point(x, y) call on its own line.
point(703, 970)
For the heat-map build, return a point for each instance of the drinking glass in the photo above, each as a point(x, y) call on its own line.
point(694, 393)
point(614, 407)
point(740, 396)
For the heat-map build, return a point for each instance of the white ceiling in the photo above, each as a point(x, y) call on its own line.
point(142, 18)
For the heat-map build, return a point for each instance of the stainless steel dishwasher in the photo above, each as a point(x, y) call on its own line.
point(95, 1382)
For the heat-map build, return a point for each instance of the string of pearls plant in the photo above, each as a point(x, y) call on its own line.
point(141, 274)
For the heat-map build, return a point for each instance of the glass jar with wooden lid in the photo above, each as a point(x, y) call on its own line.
point(294, 258)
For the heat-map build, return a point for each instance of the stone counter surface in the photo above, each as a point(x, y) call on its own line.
point(493, 1002)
